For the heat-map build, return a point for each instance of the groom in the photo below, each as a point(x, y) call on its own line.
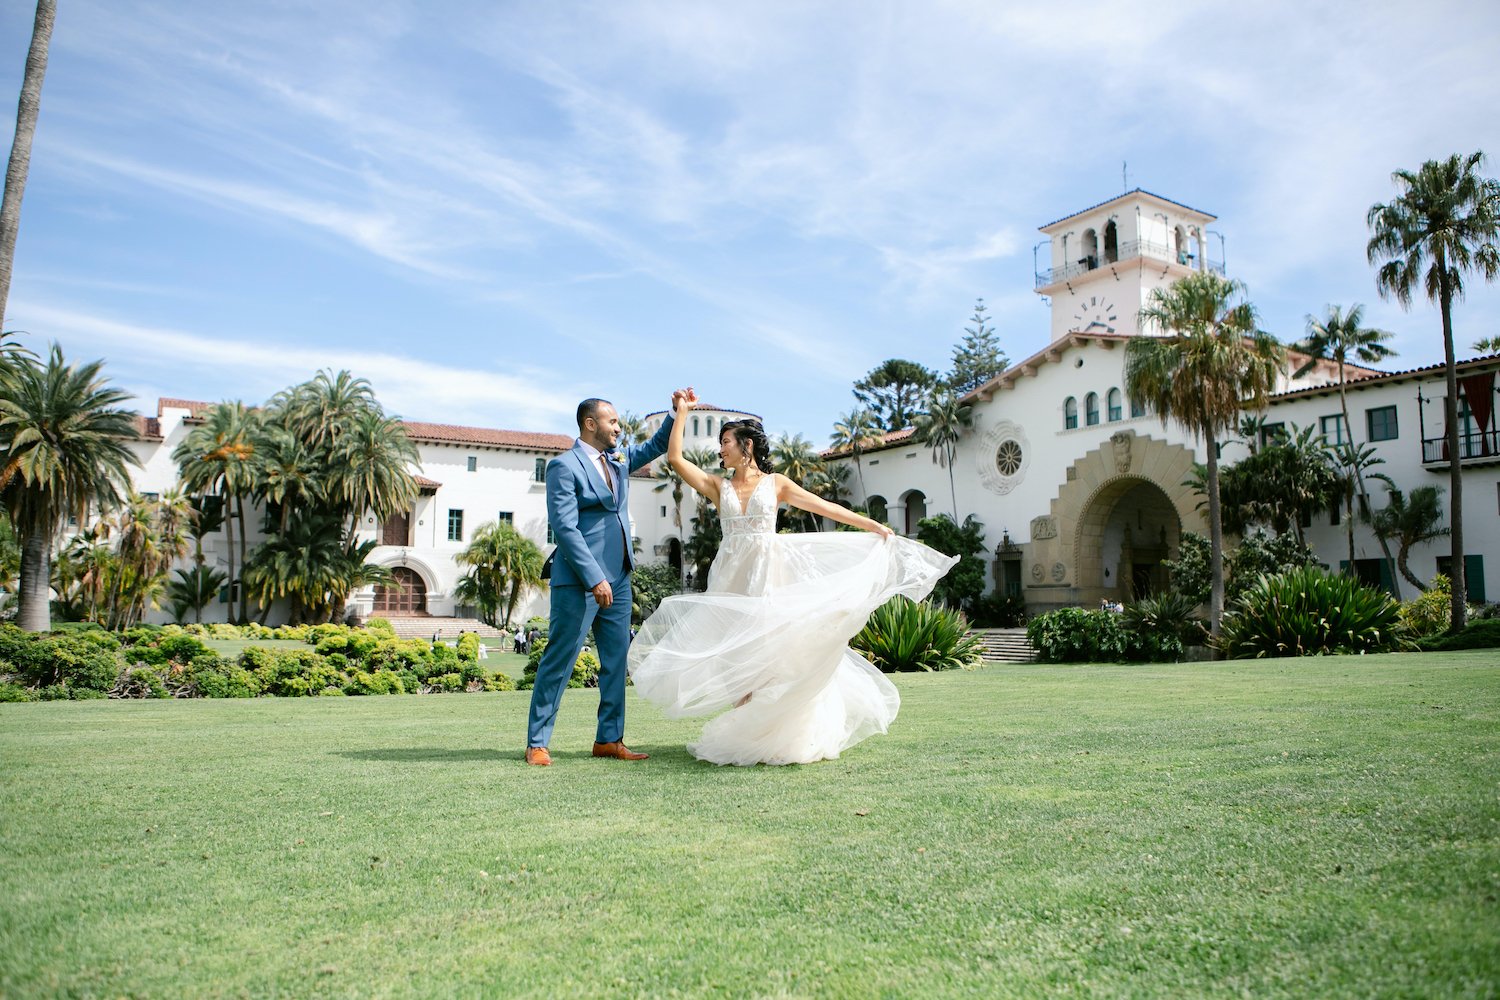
point(588, 509)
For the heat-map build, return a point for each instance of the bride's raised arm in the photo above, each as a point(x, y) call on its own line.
point(789, 492)
point(704, 482)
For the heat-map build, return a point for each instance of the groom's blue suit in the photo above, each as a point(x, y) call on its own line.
point(591, 524)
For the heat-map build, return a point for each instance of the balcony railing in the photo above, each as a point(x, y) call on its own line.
point(1127, 251)
point(1472, 447)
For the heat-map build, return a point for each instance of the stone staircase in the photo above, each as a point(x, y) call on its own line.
point(1005, 645)
point(426, 626)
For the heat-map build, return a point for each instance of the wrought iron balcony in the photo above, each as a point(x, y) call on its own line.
point(1126, 251)
point(1474, 448)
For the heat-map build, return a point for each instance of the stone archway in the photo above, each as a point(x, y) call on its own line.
point(1128, 477)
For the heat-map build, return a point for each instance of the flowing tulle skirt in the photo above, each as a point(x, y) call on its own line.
point(775, 625)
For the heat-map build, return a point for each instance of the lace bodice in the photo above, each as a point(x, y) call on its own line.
point(759, 514)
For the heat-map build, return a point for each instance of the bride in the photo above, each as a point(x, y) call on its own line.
point(769, 639)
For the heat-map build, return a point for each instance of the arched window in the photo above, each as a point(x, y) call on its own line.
point(1090, 249)
point(1137, 408)
point(1091, 408)
point(1070, 413)
point(1111, 242)
point(1113, 402)
point(695, 427)
point(708, 423)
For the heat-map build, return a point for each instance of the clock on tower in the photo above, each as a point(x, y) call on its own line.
point(1097, 315)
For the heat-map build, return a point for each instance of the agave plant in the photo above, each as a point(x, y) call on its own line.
point(1308, 612)
point(905, 635)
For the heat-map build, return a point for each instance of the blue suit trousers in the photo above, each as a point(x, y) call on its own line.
point(573, 611)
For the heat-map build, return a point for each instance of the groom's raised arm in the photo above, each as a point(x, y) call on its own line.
point(637, 455)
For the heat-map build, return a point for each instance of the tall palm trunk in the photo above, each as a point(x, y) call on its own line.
point(952, 489)
point(229, 544)
point(239, 502)
point(1215, 539)
point(34, 613)
point(20, 151)
point(1455, 466)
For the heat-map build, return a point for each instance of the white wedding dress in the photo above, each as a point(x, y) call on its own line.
point(775, 624)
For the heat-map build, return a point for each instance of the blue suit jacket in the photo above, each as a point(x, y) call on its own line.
point(590, 523)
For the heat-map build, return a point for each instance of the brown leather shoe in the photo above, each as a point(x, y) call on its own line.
point(618, 750)
point(538, 756)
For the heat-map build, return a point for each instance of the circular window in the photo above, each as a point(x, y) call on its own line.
point(1008, 457)
point(1002, 457)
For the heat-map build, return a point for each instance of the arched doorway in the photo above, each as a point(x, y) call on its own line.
point(674, 555)
point(877, 509)
point(409, 597)
point(1127, 531)
point(916, 509)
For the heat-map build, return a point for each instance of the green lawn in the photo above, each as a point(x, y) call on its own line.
point(1314, 828)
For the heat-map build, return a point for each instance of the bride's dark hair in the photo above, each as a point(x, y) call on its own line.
point(751, 437)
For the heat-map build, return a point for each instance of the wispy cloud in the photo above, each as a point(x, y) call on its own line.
point(414, 388)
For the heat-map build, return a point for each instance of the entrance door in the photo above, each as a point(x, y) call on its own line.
point(410, 598)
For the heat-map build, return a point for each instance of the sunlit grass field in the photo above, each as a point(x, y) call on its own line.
point(1313, 828)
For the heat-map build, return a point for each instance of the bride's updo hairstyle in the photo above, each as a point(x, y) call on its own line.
point(751, 438)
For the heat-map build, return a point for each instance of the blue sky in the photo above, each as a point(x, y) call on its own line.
point(492, 209)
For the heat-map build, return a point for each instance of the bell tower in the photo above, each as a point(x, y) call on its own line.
point(1106, 260)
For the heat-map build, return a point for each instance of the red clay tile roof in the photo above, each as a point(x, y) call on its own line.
point(709, 407)
point(194, 407)
point(889, 440)
point(454, 434)
point(149, 428)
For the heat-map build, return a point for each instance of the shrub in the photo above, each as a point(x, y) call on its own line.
point(905, 635)
point(1157, 628)
point(468, 646)
point(327, 630)
point(997, 610)
point(585, 668)
point(1073, 635)
point(382, 626)
point(143, 682)
point(1483, 634)
point(374, 682)
point(445, 682)
point(72, 661)
point(18, 692)
point(332, 644)
point(298, 633)
point(1308, 611)
point(212, 676)
point(181, 648)
point(499, 682)
point(1431, 611)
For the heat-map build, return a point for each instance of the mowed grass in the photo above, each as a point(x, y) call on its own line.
point(1312, 828)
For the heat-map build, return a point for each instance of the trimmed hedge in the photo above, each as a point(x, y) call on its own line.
point(171, 661)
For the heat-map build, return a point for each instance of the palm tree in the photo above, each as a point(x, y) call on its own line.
point(669, 479)
point(633, 429)
point(1411, 520)
point(1486, 345)
point(373, 464)
point(193, 589)
point(503, 566)
point(854, 432)
point(1210, 364)
point(1341, 339)
point(63, 434)
point(20, 150)
point(794, 457)
point(940, 428)
point(1445, 221)
point(218, 457)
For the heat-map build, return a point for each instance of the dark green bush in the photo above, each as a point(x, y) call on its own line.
point(904, 635)
point(143, 682)
point(1158, 628)
point(1483, 634)
point(181, 648)
point(1308, 612)
point(1073, 635)
point(499, 682)
point(996, 610)
point(16, 692)
point(649, 586)
point(212, 676)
